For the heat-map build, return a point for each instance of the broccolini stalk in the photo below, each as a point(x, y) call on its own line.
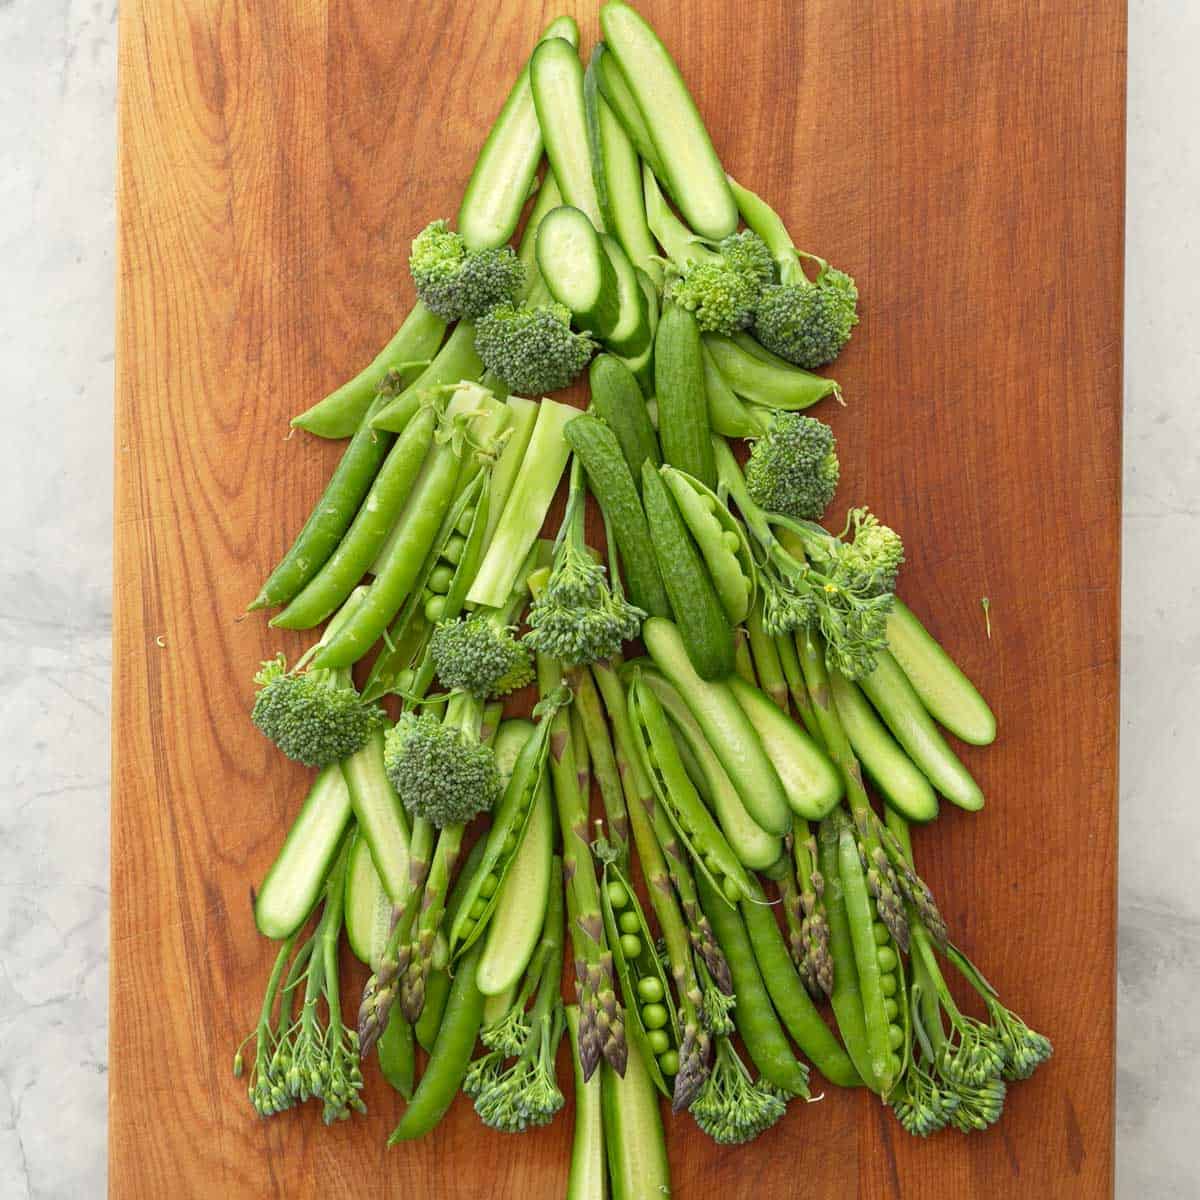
point(600, 1008)
point(695, 1041)
point(267, 1086)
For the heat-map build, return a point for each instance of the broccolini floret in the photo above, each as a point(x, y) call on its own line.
point(731, 1107)
point(794, 468)
point(532, 350)
point(456, 282)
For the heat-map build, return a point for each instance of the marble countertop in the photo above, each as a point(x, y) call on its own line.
point(57, 90)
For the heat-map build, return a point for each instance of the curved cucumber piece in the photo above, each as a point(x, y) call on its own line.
point(753, 845)
point(642, 365)
point(380, 815)
point(576, 269)
point(726, 727)
point(761, 382)
point(548, 198)
point(368, 911)
point(902, 784)
point(556, 78)
point(633, 1130)
point(614, 87)
point(294, 882)
point(631, 334)
point(889, 691)
point(506, 166)
point(810, 781)
point(516, 922)
point(693, 172)
point(946, 692)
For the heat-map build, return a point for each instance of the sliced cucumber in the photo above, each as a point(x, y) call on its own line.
point(381, 819)
point(642, 365)
point(945, 691)
point(588, 1177)
point(693, 171)
point(506, 166)
point(633, 1130)
point(577, 270)
point(294, 882)
point(556, 78)
point(810, 781)
point(548, 199)
point(591, 112)
point(368, 910)
point(631, 334)
point(902, 784)
point(614, 87)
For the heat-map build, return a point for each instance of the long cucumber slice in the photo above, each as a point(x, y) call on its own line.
point(945, 691)
point(367, 907)
point(614, 87)
point(506, 166)
point(587, 1179)
point(294, 882)
point(633, 1130)
point(576, 269)
point(694, 173)
point(642, 365)
point(556, 78)
point(631, 334)
point(382, 823)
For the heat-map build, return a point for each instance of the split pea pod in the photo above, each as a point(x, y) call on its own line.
point(693, 822)
point(450, 1058)
point(370, 528)
point(753, 1014)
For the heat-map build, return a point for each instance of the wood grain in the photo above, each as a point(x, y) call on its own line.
point(965, 162)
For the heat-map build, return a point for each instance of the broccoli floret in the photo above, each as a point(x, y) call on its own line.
point(456, 282)
point(476, 654)
point(532, 350)
point(746, 253)
point(315, 717)
point(808, 323)
point(577, 618)
point(794, 468)
point(440, 770)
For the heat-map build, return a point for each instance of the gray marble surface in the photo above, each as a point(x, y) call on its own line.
point(57, 68)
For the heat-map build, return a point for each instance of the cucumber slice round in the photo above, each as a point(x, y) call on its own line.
point(576, 269)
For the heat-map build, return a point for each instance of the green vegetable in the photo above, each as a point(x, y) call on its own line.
point(772, 384)
point(702, 622)
point(477, 654)
point(577, 270)
point(456, 362)
point(368, 907)
point(793, 467)
point(692, 170)
point(457, 282)
point(437, 995)
point(617, 400)
point(612, 484)
point(397, 1057)
point(731, 1108)
point(642, 365)
point(727, 413)
point(615, 89)
point(380, 815)
point(587, 1179)
point(532, 349)
point(633, 1131)
point(631, 335)
point(679, 389)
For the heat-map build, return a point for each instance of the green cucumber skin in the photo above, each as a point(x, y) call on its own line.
point(508, 162)
point(903, 785)
point(701, 619)
point(294, 881)
point(566, 238)
point(618, 401)
point(643, 365)
point(631, 334)
point(380, 815)
point(810, 781)
point(683, 428)
point(944, 689)
point(611, 482)
point(633, 1131)
point(693, 171)
point(614, 87)
point(367, 907)
point(888, 689)
point(726, 727)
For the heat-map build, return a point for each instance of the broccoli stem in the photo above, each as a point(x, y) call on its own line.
point(600, 1008)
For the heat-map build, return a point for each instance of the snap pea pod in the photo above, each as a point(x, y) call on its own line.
point(728, 414)
point(437, 993)
point(397, 1056)
point(792, 1002)
point(767, 666)
point(789, 663)
point(370, 528)
point(450, 1058)
point(721, 539)
point(455, 362)
point(342, 411)
point(587, 1179)
point(510, 820)
point(693, 822)
point(761, 382)
point(754, 1016)
point(743, 664)
point(332, 514)
point(643, 981)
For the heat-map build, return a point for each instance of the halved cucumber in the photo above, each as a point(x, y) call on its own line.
point(631, 334)
point(577, 270)
point(381, 819)
point(642, 365)
point(294, 882)
point(614, 87)
point(694, 173)
point(368, 910)
point(556, 78)
point(506, 166)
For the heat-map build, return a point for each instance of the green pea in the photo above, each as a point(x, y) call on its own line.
point(631, 945)
point(463, 525)
point(650, 989)
point(478, 908)
point(668, 1063)
point(435, 607)
point(895, 1037)
point(440, 578)
point(654, 1016)
point(894, 1060)
point(887, 983)
point(628, 922)
point(488, 884)
point(454, 548)
point(469, 923)
point(404, 680)
point(618, 897)
point(882, 937)
point(713, 864)
point(732, 544)
point(887, 958)
point(658, 1041)
point(509, 844)
point(729, 886)
point(891, 1008)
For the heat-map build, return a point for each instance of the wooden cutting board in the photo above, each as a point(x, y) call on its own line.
point(965, 162)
